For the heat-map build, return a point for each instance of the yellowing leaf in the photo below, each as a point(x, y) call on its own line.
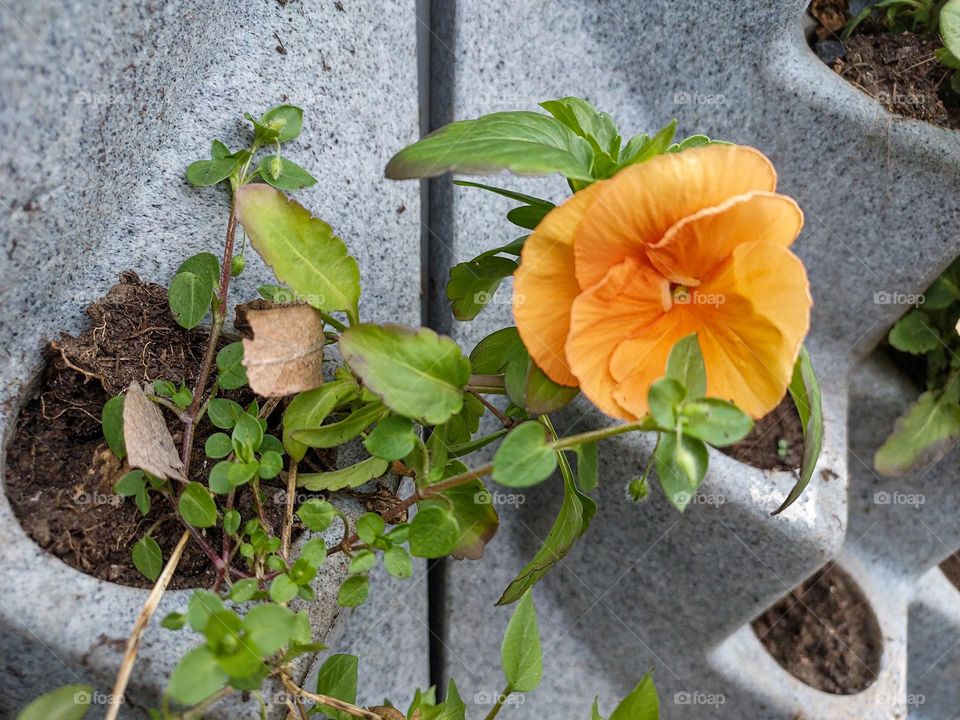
point(149, 443)
point(285, 355)
point(302, 250)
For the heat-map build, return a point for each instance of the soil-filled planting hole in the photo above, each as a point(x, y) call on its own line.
point(59, 472)
point(898, 69)
point(776, 441)
point(951, 568)
point(824, 633)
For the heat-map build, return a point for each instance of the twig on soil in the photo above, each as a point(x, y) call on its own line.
point(333, 702)
point(143, 619)
point(288, 513)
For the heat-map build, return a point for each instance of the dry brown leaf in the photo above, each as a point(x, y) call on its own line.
point(387, 713)
point(149, 443)
point(285, 355)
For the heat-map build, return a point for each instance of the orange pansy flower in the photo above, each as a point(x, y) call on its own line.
point(695, 241)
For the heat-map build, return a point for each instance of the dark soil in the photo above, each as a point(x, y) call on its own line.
point(824, 633)
point(59, 470)
point(776, 441)
point(899, 70)
point(951, 568)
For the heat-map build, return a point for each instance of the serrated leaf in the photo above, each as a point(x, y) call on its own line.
point(351, 476)
point(524, 458)
point(526, 143)
point(923, 434)
point(302, 250)
point(417, 373)
point(147, 557)
point(914, 333)
point(285, 355)
point(805, 391)
point(520, 654)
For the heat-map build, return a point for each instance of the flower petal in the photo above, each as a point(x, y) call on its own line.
point(640, 203)
point(642, 359)
point(628, 299)
point(694, 246)
point(750, 342)
point(545, 286)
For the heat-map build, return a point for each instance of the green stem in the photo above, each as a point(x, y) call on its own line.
point(466, 448)
point(499, 704)
point(333, 322)
point(601, 434)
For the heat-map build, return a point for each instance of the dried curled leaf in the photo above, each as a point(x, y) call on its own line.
point(285, 355)
point(149, 443)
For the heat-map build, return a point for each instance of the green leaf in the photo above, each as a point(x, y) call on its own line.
point(69, 702)
point(130, 484)
point(175, 620)
point(349, 477)
point(218, 150)
point(664, 397)
point(218, 445)
point(914, 333)
point(587, 122)
point(950, 26)
point(640, 704)
point(595, 710)
point(112, 418)
point(271, 463)
point(805, 391)
point(201, 606)
point(302, 250)
point(309, 409)
point(524, 458)
point(923, 434)
point(716, 422)
point(197, 507)
point(206, 265)
point(569, 525)
point(189, 298)
point(147, 557)
point(224, 413)
point(513, 195)
point(587, 466)
point(472, 284)
point(945, 290)
point(283, 589)
point(392, 439)
point(526, 143)
point(232, 374)
point(397, 562)
point(472, 506)
point(685, 365)
point(337, 433)
point(528, 216)
point(231, 522)
point(284, 174)
point(204, 173)
point(196, 677)
point(520, 653)
point(338, 678)
point(417, 373)
point(362, 562)
point(316, 514)
point(433, 532)
point(641, 148)
point(285, 120)
point(370, 526)
point(681, 466)
point(247, 436)
point(269, 627)
point(526, 384)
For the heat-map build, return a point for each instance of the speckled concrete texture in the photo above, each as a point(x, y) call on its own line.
point(648, 587)
point(102, 106)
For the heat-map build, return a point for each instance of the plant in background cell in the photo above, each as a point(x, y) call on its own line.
point(653, 230)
